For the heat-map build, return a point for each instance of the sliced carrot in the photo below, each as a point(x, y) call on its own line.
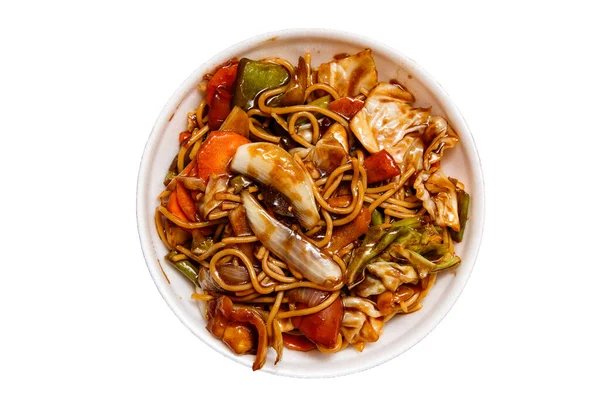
point(186, 202)
point(346, 106)
point(216, 152)
point(322, 327)
point(380, 166)
point(174, 208)
point(190, 169)
point(219, 92)
point(346, 234)
point(340, 201)
point(297, 342)
point(183, 136)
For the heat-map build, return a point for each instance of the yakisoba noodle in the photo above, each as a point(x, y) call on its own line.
point(305, 197)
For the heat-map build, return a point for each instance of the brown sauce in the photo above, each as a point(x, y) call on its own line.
point(340, 56)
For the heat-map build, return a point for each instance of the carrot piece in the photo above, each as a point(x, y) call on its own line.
point(297, 342)
point(322, 327)
point(183, 136)
point(216, 152)
point(223, 78)
point(219, 92)
point(190, 169)
point(186, 202)
point(346, 234)
point(174, 208)
point(340, 201)
point(381, 166)
point(347, 107)
point(194, 170)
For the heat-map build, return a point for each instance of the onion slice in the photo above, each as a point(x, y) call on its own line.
point(272, 165)
point(288, 245)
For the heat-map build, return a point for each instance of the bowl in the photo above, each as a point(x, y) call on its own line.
point(462, 162)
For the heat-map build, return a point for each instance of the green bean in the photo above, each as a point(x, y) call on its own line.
point(463, 214)
point(376, 217)
point(322, 102)
point(186, 267)
point(171, 173)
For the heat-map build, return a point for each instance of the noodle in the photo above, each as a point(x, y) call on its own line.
point(321, 86)
point(311, 310)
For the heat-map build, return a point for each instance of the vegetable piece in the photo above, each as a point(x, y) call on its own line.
point(380, 166)
point(439, 198)
point(386, 119)
point(350, 74)
point(309, 296)
point(186, 267)
point(271, 165)
point(463, 213)
point(292, 248)
point(219, 92)
point(176, 235)
point(328, 154)
point(240, 227)
point(376, 241)
point(184, 136)
point(186, 202)
point(440, 136)
point(340, 201)
point(295, 93)
point(392, 274)
point(237, 121)
point(352, 323)
point(208, 202)
point(361, 322)
point(239, 183)
point(322, 327)
point(376, 217)
point(338, 132)
point(348, 233)
point(239, 337)
point(253, 78)
point(364, 305)
point(347, 107)
point(216, 152)
point(220, 315)
point(370, 286)
point(174, 207)
point(297, 342)
point(191, 183)
point(424, 266)
point(172, 172)
point(322, 102)
point(277, 201)
point(208, 283)
point(233, 274)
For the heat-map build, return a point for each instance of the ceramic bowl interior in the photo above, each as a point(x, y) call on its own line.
point(462, 162)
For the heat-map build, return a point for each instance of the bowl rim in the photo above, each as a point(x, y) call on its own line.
point(304, 33)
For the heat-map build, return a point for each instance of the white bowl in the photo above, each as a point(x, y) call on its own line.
point(462, 162)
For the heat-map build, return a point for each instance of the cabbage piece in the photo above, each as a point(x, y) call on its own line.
point(348, 75)
point(393, 275)
point(352, 323)
point(216, 184)
point(370, 286)
point(357, 327)
point(440, 137)
point(384, 275)
point(439, 197)
point(387, 118)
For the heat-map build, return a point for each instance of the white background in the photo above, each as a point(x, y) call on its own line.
point(81, 85)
